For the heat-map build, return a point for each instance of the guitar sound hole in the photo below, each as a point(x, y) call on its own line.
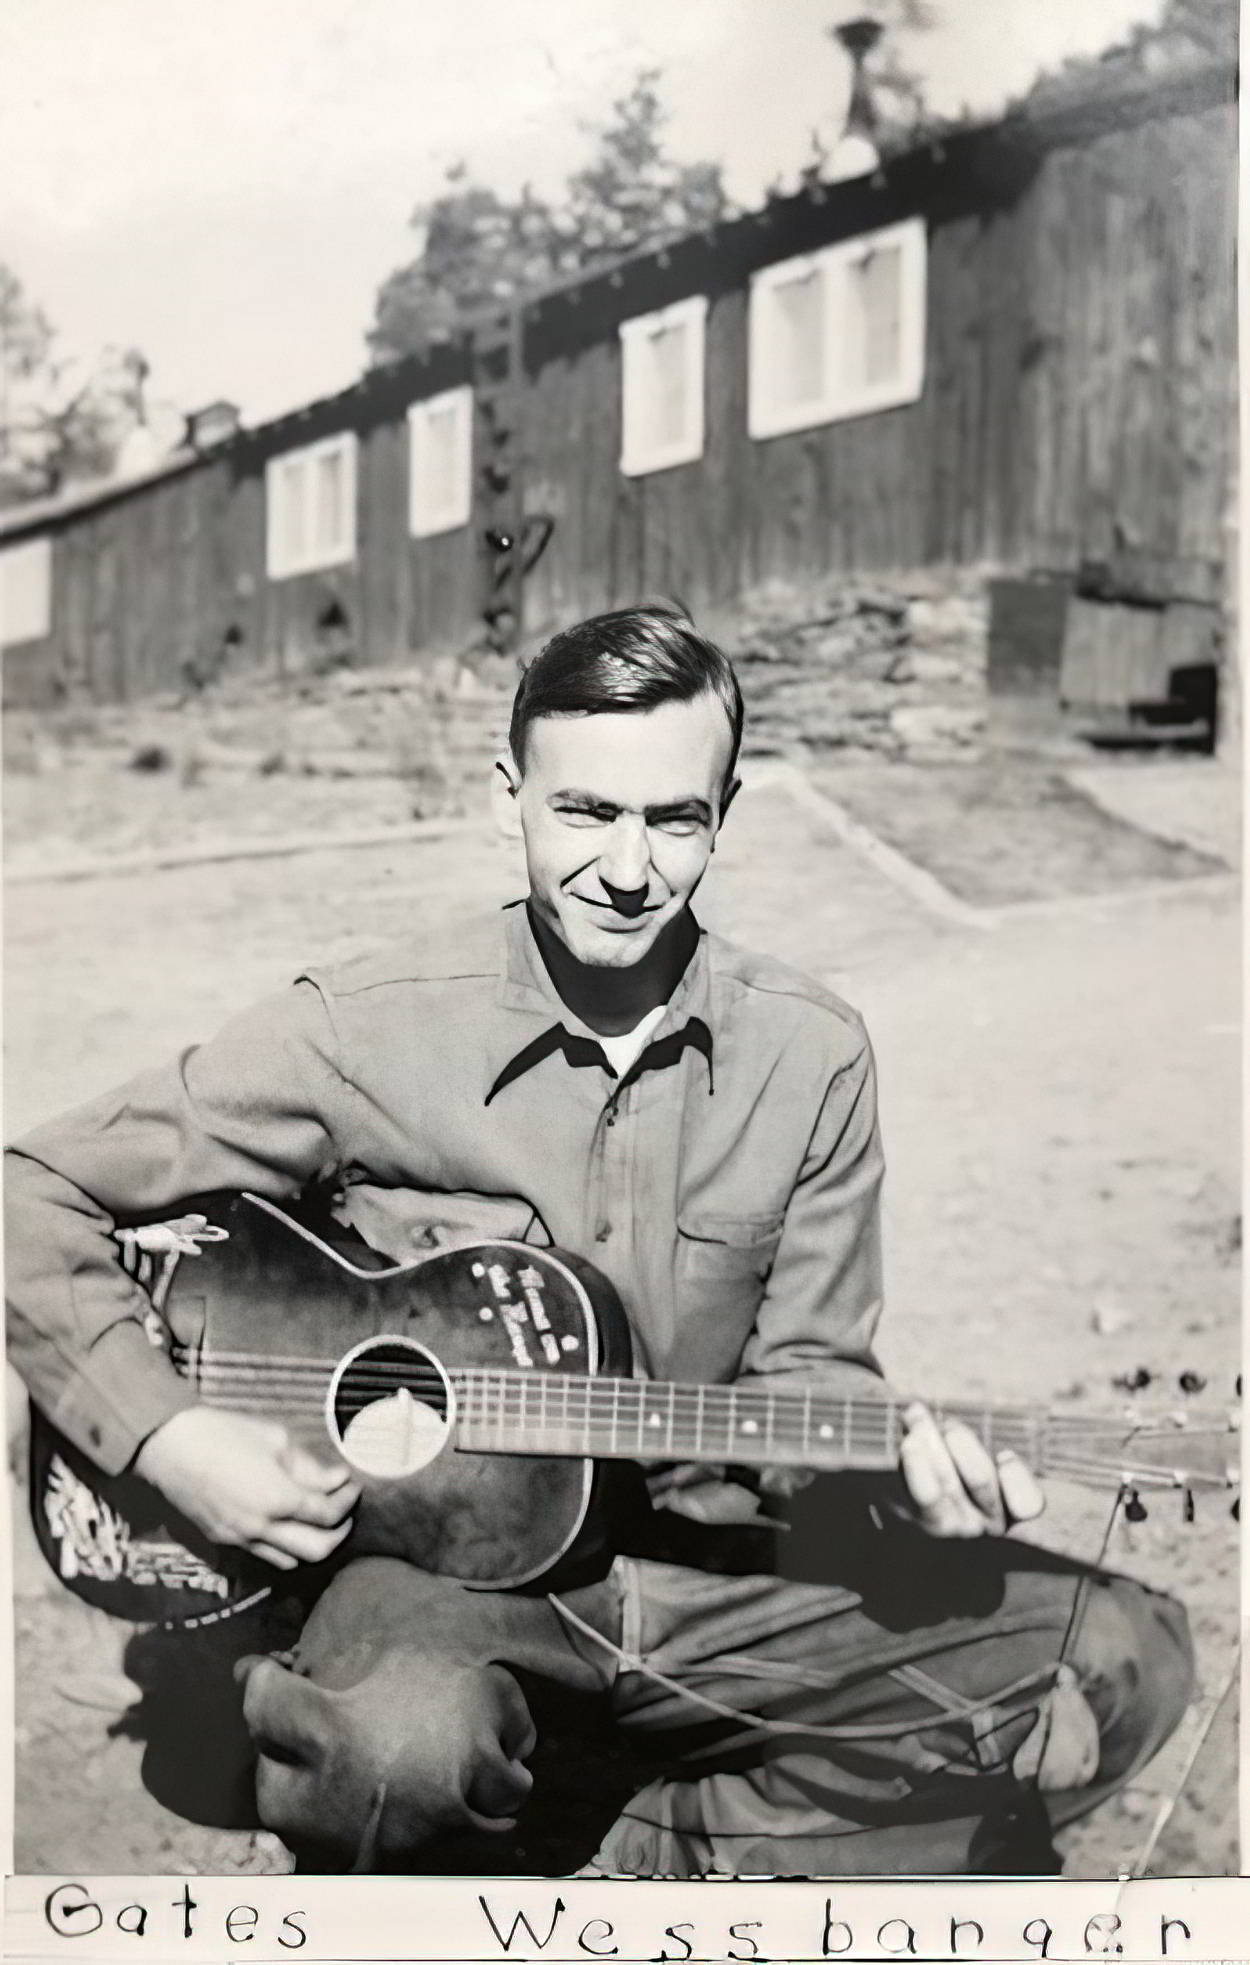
point(390, 1408)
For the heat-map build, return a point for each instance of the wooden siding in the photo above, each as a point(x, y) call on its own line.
point(166, 587)
point(1078, 406)
point(1077, 412)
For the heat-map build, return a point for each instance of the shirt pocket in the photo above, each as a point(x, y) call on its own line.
point(723, 1264)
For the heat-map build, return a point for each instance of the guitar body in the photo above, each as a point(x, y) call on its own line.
point(483, 1398)
point(275, 1319)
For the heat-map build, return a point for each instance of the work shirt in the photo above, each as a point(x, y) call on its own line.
point(728, 1184)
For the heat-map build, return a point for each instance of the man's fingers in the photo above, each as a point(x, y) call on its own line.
point(311, 1470)
point(956, 1487)
point(268, 1552)
point(323, 1510)
point(1022, 1496)
point(933, 1481)
point(321, 1492)
point(978, 1474)
point(921, 1469)
point(299, 1541)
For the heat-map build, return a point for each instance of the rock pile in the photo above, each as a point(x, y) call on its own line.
point(896, 667)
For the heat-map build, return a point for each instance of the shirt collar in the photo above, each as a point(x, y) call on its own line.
point(527, 990)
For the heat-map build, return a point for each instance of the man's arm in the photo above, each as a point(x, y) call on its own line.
point(823, 1303)
point(263, 1106)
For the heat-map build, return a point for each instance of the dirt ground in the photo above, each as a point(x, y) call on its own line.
point(1060, 1105)
point(1005, 828)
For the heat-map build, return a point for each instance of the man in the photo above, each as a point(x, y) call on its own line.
point(861, 1693)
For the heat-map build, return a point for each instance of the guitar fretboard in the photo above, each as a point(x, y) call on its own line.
point(567, 1414)
point(635, 1419)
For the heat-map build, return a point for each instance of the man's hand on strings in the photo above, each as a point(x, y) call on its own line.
point(247, 1484)
point(956, 1487)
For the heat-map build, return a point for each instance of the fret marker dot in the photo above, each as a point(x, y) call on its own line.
point(486, 1315)
point(654, 1420)
point(826, 1432)
point(750, 1426)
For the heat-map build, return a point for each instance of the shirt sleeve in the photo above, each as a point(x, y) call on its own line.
point(262, 1106)
point(824, 1294)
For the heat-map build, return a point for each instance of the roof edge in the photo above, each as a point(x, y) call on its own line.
point(1098, 113)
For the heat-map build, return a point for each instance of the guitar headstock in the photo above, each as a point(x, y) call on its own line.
point(1150, 1446)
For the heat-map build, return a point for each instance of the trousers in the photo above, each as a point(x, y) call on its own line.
point(930, 1708)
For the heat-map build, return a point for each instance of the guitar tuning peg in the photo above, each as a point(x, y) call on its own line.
point(1191, 1381)
point(1235, 1510)
point(1132, 1381)
point(1135, 1509)
point(1187, 1505)
point(1238, 1387)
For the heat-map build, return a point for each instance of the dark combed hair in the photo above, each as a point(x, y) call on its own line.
point(633, 659)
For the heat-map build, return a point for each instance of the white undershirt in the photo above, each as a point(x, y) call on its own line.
point(621, 1051)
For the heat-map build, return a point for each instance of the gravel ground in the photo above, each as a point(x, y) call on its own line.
point(1060, 1102)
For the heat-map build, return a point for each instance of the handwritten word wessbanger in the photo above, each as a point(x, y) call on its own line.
point(553, 1933)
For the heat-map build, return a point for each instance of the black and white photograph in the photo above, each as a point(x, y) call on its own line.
point(622, 800)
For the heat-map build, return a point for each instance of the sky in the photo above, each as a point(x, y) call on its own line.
point(226, 184)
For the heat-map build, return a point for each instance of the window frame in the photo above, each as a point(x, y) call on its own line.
point(425, 519)
point(37, 553)
point(839, 402)
point(315, 557)
point(638, 458)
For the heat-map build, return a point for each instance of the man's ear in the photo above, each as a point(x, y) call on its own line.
point(727, 798)
point(505, 783)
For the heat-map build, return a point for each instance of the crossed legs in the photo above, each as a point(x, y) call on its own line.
point(939, 1715)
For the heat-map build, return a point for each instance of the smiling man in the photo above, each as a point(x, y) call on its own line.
point(886, 1685)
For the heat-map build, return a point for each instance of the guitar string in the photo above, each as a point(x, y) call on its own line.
point(863, 1429)
point(483, 1403)
point(559, 1412)
point(485, 1387)
point(482, 1388)
point(577, 1406)
point(248, 1365)
point(576, 1440)
point(576, 1434)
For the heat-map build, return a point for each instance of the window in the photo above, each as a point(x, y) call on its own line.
point(25, 592)
point(310, 504)
point(839, 332)
point(440, 463)
point(662, 388)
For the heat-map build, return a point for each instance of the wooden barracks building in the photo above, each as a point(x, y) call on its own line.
point(1011, 349)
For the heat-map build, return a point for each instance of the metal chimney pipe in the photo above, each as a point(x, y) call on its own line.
point(858, 38)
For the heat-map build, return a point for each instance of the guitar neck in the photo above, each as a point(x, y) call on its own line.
point(636, 1419)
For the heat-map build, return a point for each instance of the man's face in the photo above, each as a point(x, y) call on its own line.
point(619, 814)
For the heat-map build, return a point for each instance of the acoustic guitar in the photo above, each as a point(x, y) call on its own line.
point(481, 1394)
